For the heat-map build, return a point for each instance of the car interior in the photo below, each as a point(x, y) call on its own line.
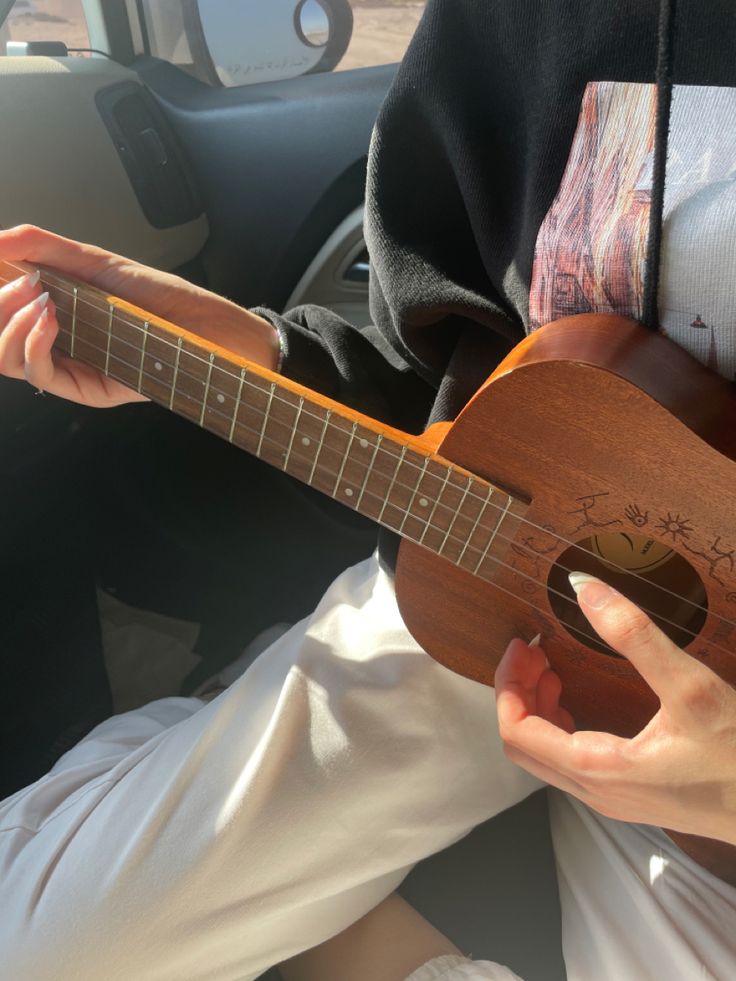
point(141, 554)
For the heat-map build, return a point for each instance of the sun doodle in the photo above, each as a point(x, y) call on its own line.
point(678, 527)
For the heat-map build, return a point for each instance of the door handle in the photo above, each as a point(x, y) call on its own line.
point(358, 272)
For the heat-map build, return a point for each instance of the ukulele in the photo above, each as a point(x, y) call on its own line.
point(597, 445)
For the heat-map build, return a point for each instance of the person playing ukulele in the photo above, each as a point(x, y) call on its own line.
point(532, 161)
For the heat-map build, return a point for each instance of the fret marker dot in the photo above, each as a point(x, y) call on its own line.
point(158, 366)
point(423, 502)
point(363, 443)
point(220, 397)
point(306, 441)
point(348, 491)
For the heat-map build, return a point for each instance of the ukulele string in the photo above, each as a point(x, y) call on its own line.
point(306, 413)
point(485, 502)
point(408, 463)
point(469, 548)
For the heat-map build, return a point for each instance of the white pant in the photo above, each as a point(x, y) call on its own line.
point(634, 907)
point(190, 841)
point(186, 841)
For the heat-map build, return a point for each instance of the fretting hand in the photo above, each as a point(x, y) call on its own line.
point(28, 324)
point(678, 773)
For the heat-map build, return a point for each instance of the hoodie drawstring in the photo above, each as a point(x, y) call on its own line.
point(665, 57)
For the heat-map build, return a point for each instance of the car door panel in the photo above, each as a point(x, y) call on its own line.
point(61, 168)
point(337, 277)
point(279, 165)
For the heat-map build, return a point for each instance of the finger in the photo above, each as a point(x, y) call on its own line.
point(39, 365)
point(79, 382)
point(549, 690)
point(517, 676)
point(17, 294)
point(630, 632)
point(577, 755)
point(546, 773)
point(30, 244)
point(13, 337)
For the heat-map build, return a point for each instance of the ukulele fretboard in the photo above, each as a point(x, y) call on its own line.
point(380, 472)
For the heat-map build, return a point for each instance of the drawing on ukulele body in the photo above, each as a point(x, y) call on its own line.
point(722, 632)
point(529, 553)
point(718, 556)
point(678, 527)
point(587, 503)
point(636, 516)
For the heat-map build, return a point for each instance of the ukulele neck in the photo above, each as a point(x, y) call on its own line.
point(380, 472)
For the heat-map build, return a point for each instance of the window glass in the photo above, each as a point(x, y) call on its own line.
point(382, 30)
point(46, 20)
point(165, 33)
point(239, 42)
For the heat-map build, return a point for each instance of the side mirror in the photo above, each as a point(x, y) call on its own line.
point(240, 42)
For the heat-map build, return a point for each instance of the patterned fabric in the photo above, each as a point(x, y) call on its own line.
point(592, 245)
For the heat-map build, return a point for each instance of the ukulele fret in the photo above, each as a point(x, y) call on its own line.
point(74, 321)
point(469, 484)
point(430, 519)
point(368, 471)
point(379, 519)
point(409, 512)
point(265, 419)
point(179, 344)
point(319, 446)
point(207, 389)
point(491, 540)
point(341, 471)
point(238, 397)
point(293, 433)
point(111, 315)
point(143, 357)
point(473, 530)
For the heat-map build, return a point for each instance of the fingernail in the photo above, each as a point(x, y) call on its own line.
point(32, 278)
point(590, 590)
point(42, 322)
point(535, 642)
point(41, 301)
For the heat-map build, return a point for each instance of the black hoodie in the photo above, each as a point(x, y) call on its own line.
point(510, 183)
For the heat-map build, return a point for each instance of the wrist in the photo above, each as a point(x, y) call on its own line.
point(240, 331)
point(256, 339)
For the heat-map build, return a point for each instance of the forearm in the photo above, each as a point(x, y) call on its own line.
point(389, 943)
point(29, 327)
point(238, 330)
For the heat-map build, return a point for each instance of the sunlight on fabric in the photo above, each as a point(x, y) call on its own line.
point(657, 865)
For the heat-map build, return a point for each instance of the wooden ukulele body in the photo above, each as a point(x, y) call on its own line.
point(606, 429)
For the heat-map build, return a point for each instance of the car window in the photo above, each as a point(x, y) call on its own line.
point(382, 30)
point(172, 30)
point(46, 20)
point(229, 43)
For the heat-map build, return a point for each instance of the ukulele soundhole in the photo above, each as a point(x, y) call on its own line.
point(648, 572)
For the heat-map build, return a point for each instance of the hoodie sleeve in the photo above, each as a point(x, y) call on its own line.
point(355, 366)
point(432, 292)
